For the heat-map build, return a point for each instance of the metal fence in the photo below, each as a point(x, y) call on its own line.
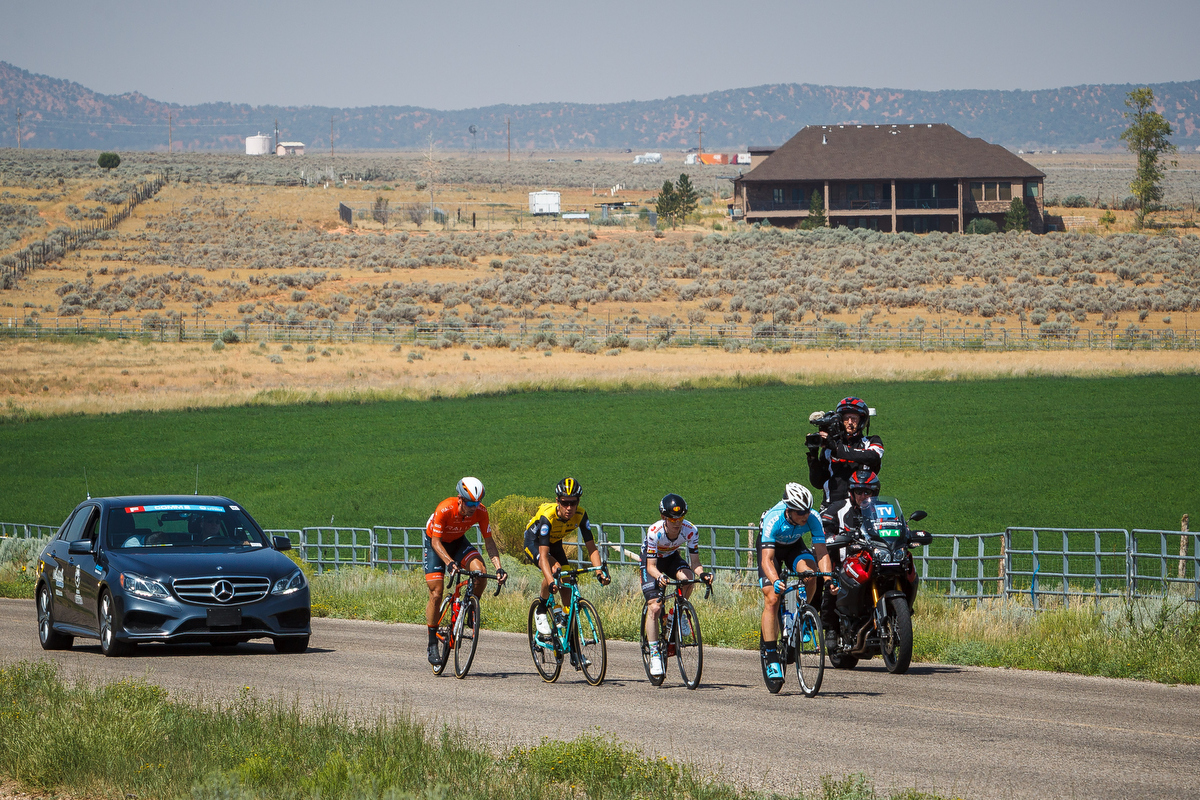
point(816, 336)
point(1062, 565)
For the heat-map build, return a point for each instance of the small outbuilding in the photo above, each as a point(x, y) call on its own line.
point(289, 149)
point(545, 202)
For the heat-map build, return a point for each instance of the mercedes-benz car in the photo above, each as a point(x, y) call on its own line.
point(168, 568)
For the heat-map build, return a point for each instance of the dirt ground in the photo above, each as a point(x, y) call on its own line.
point(98, 377)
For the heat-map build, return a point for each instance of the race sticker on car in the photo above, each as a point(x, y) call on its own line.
point(173, 507)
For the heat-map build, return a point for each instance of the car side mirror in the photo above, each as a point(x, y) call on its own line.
point(917, 516)
point(281, 543)
point(80, 547)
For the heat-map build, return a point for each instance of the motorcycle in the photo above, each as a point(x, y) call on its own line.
point(877, 584)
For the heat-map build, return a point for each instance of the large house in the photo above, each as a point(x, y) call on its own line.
point(916, 178)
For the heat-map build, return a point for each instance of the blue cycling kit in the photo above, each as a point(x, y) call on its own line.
point(776, 530)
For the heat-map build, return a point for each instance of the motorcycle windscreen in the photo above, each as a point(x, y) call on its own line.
point(883, 519)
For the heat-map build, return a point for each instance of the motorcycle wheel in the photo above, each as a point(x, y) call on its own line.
point(896, 638)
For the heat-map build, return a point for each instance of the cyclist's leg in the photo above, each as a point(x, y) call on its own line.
point(770, 615)
point(653, 595)
point(806, 562)
point(435, 571)
point(558, 555)
point(472, 561)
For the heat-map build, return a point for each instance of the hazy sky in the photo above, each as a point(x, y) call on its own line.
point(467, 53)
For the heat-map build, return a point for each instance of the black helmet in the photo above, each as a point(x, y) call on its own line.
point(568, 488)
point(855, 405)
point(672, 506)
point(865, 479)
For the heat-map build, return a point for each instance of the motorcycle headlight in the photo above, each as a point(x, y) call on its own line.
point(292, 583)
point(141, 586)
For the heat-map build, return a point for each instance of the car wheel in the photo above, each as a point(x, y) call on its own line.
point(50, 638)
point(109, 645)
point(292, 644)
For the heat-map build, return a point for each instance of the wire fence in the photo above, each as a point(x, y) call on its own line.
point(1056, 566)
point(61, 242)
point(816, 336)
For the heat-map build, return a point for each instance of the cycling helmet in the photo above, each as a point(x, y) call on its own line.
point(865, 479)
point(855, 405)
point(797, 498)
point(568, 488)
point(672, 507)
point(471, 490)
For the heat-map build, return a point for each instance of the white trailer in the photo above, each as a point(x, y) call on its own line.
point(544, 202)
point(648, 158)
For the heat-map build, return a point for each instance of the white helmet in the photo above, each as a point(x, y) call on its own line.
point(797, 498)
point(471, 490)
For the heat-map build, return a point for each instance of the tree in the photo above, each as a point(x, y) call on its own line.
point(109, 161)
point(380, 210)
point(816, 212)
point(686, 197)
point(1146, 138)
point(1017, 217)
point(667, 203)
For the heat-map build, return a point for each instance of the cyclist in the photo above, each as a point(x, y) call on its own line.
point(832, 463)
point(544, 535)
point(662, 560)
point(781, 542)
point(447, 548)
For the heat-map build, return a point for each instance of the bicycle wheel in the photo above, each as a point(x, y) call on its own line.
point(656, 680)
point(689, 646)
point(810, 651)
point(589, 644)
point(466, 636)
point(546, 658)
point(445, 634)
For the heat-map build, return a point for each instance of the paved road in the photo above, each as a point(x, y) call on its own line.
point(971, 732)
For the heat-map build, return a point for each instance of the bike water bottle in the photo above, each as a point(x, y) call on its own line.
point(787, 619)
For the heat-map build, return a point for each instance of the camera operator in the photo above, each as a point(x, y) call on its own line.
point(841, 446)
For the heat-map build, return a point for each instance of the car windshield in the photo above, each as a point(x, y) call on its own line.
point(182, 525)
point(883, 519)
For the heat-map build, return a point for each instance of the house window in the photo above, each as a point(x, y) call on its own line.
point(976, 191)
point(797, 196)
point(989, 191)
point(778, 196)
point(1031, 189)
point(1006, 191)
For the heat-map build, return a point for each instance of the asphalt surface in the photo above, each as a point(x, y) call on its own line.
point(960, 731)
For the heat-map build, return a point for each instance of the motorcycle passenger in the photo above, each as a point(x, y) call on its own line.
point(662, 561)
point(834, 461)
point(448, 549)
point(781, 542)
point(544, 535)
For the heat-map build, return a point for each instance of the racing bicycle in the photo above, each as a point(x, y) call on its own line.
point(458, 623)
point(801, 637)
point(680, 637)
point(575, 631)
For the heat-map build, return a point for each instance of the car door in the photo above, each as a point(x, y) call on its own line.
point(87, 574)
point(84, 522)
point(62, 596)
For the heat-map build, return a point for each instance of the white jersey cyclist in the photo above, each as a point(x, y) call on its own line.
point(659, 544)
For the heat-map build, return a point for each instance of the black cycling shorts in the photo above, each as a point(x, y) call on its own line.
point(557, 553)
point(789, 554)
point(669, 566)
point(460, 549)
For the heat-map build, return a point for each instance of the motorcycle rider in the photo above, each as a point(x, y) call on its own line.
point(780, 542)
point(864, 485)
point(447, 549)
point(662, 560)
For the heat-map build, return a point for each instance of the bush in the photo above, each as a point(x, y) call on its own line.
point(616, 340)
point(218, 345)
point(982, 225)
point(1076, 201)
point(229, 336)
point(509, 516)
point(108, 161)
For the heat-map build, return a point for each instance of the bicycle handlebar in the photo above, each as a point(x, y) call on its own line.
point(690, 581)
point(473, 574)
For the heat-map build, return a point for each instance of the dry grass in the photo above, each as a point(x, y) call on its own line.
point(103, 376)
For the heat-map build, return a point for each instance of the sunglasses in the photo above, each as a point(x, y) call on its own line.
point(471, 503)
point(567, 503)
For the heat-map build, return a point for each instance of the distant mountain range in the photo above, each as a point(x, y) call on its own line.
point(62, 114)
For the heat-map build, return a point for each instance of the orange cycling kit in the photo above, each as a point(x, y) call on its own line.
point(451, 527)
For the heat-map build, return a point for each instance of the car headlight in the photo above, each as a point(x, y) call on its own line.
point(142, 586)
point(292, 583)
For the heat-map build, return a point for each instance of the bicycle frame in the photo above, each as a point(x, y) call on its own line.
point(570, 579)
point(461, 577)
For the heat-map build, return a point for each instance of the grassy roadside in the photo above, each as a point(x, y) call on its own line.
point(131, 739)
point(1155, 641)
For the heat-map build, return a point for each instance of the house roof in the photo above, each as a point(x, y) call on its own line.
point(901, 152)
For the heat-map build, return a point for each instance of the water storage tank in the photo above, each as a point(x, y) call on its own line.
point(544, 202)
point(258, 145)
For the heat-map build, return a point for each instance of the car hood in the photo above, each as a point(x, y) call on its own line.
point(197, 562)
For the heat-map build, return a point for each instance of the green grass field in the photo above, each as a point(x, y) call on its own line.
point(977, 455)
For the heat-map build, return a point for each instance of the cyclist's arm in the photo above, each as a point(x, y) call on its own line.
point(593, 552)
point(492, 551)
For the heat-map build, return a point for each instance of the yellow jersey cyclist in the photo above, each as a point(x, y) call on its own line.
point(780, 542)
point(662, 560)
point(544, 535)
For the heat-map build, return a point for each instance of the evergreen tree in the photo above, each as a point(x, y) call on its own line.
point(816, 212)
point(667, 203)
point(1017, 217)
point(1146, 138)
point(686, 197)
point(109, 161)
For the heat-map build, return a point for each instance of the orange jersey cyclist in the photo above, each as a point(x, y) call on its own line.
point(446, 545)
point(663, 559)
point(544, 535)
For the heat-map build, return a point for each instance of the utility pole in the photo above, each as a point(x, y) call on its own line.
point(275, 149)
point(170, 131)
point(508, 125)
point(331, 137)
point(700, 131)
point(18, 129)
